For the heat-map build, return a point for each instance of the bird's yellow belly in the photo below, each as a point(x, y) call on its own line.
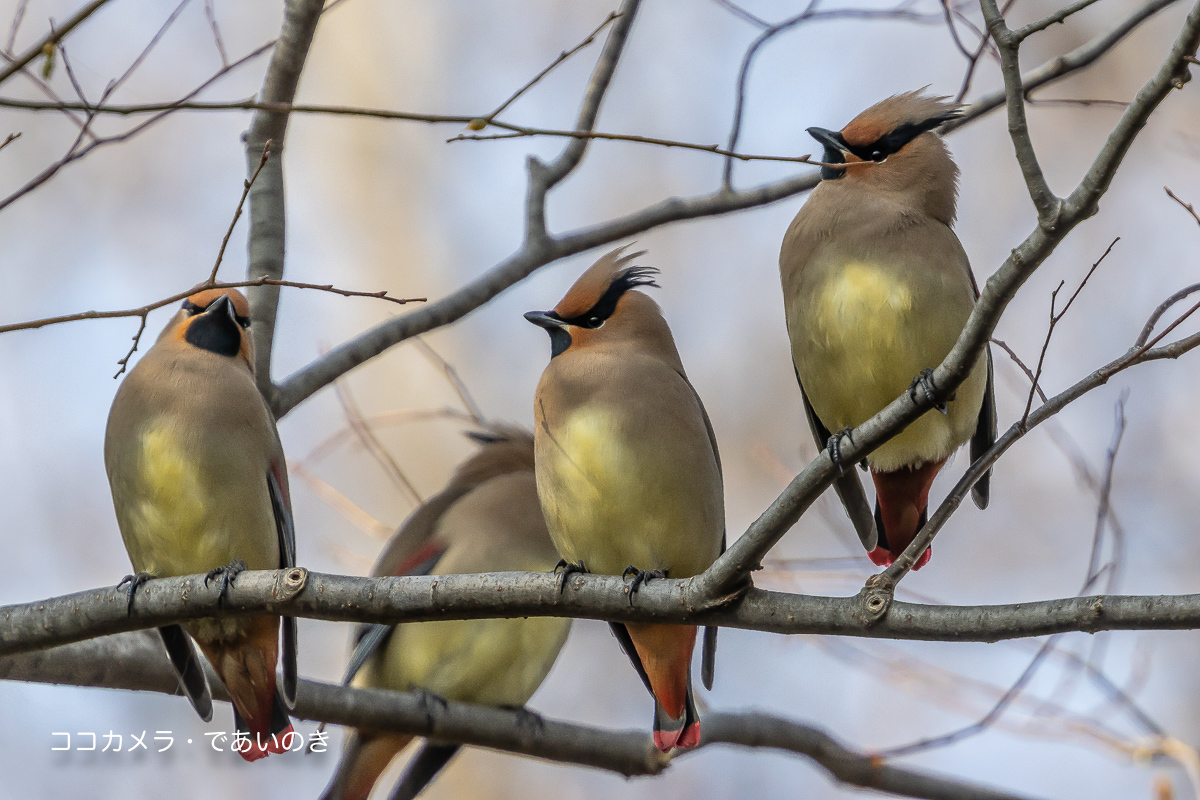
point(863, 339)
point(612, 503)
point(498, 662)
point(175, 524)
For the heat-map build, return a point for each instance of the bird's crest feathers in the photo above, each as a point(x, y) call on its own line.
point(904, 115)
point(598, 289)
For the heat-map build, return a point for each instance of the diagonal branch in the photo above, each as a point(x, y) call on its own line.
point(135, 661)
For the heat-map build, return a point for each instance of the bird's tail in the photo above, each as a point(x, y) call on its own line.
point(423, 768)
point(247, 667)
point(364, 758)
point(901, 509)
point(664, 653)
point(186, 661)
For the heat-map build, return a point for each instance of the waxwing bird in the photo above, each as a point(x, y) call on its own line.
point(877, 289)
point(487, 519)
point(627, 467)
point(199, 485)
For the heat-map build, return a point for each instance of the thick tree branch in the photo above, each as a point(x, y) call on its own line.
point(338, 598)
point(266, 239)
point(135, 661)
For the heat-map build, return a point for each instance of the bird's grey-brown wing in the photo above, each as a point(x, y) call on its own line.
point(985, 431)
point(708, 657)
point(286, 532)
point(984, 436)
point(848, 487)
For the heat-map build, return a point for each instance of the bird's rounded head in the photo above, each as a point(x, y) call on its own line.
point(215, 320)
point(600, 305)
point(893, 147)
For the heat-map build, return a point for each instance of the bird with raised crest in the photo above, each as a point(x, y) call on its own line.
point(877, 289)
point(627, 468)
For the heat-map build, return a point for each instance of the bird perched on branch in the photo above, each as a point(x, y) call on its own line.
point(877, 289)
point(627, 467)
point(487, 519)
point(199, 484)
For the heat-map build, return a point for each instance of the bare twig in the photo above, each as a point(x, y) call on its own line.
point(51, 39)
point(75, 152)
point(12, 137)
point(1054, 19)
point(137, 62)
point(211, 14)
point(344, 505)
point(18, 17)
point(1024, 368)
point(479, 123)
point(1187, 206)
point(1054, 320)
point(237, 214)
point(456, 382)
point(372, 445)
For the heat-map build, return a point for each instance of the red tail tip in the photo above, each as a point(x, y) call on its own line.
point(276, 743)
point(884, 558)
point(683, 739)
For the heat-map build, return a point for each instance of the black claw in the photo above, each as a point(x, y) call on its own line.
point(834, 445)
point(227, 573)
point(135, 582)
point(431, 703)
point(639, 577)
point(925, 381)
point(563, 569)
point(529, 721)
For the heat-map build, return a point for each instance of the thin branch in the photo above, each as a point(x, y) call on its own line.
point(1017, 360)
point(480, 123)
point(982, 724)
point(1054, 320)
point(371, 443)
point(18, 17)
point(456, 382)
point(237, 214)
point(211, 14)
point(135, 661)
point(137, 62)
point(1171, 195)
point(1058, 16)
point(75, 153)
point(12, 137)
point(56, 35)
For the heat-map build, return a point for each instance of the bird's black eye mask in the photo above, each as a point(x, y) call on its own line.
point(558, 326)
point(603, 308)
point(878, 150)
point(194, 309)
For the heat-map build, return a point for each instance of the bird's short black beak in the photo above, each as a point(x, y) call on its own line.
point(223, 305)
point(543, 319)
point(835, 152)
point(831, 140)
point(560, 337)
